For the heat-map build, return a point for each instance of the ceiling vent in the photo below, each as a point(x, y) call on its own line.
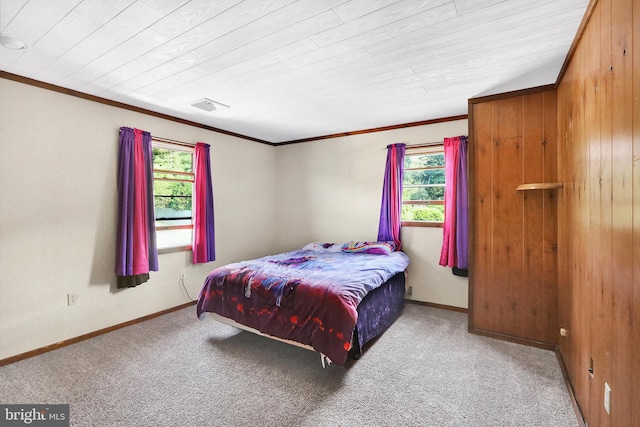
point(208, 105)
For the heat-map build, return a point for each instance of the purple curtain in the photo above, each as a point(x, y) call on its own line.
point(455, 230)
point(204, 249)
point(391, 209)
point(462, 204)
point(136, 251)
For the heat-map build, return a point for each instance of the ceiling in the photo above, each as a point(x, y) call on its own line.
point(289, 69)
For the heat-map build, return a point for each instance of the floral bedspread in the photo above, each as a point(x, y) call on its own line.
point(308, 296)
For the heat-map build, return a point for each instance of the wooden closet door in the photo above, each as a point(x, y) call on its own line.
point(513, 275)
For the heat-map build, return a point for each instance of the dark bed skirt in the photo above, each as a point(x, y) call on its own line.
point(377, 311)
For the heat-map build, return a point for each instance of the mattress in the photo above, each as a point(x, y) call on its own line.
point(329, 300)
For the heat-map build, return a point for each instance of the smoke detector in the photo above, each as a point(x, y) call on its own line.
point(11, 43)
point(209, 105)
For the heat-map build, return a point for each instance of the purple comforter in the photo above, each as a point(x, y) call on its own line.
point(305, 296)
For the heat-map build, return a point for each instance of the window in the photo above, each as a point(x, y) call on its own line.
point(423, 186)
point(172, 194)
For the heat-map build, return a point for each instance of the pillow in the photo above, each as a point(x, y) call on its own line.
point(322, 247)
point(376, 248)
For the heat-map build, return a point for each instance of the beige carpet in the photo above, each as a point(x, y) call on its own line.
point(175, 370)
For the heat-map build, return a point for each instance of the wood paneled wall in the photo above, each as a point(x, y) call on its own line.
point(599, 215)
point(513, 279)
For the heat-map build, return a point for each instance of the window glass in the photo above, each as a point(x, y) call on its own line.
point(423, 186)
point(173, 195)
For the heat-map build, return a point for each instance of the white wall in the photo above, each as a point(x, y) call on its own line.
point(330, 190)
point(58, 176)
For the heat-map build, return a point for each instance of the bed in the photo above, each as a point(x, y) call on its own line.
point(327, 297)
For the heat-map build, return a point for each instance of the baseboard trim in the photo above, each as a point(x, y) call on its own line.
point(70, 341)
point(512, 338)
point(572, 395)
point(440, 306)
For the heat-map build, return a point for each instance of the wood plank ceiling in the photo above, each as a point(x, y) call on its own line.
point(292, 69)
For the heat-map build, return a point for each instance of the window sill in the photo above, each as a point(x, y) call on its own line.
point(422, 224)
point(174, 249)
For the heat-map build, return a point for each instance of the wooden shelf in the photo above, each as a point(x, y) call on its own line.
point(540, 186)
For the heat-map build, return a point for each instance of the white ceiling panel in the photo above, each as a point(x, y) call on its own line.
point(124, 53)
point(190, 15)
point(123, 26)
point(163, 54)
point(292, 69)
point(36, 17)
point(231, 23)
point(381, 17)
point(274, 40)
point(101, 11)
point(68, 32)
point(465, 7)
point(348, 11)
point(255, 63)
point(8, 11)
point(165, 7)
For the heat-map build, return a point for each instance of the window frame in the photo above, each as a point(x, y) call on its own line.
point(185, 148)
point(417, 151)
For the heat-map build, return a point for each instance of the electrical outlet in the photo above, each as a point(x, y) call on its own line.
point(410, 291)
point(72, 298)
point(607, 398)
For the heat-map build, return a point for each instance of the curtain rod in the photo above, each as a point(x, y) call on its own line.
point(422, 145)
point(172, 141)
point(425, 144)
